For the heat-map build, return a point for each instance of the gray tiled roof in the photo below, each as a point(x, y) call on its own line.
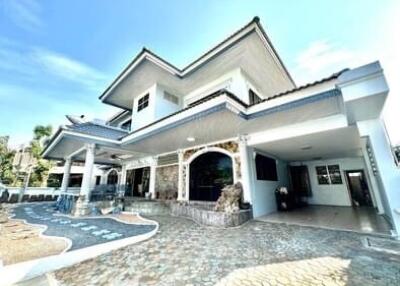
point(95, 129)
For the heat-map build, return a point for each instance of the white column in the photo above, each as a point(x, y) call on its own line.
point(88, 171)
point(122, 181)
point(245, 168)
point(66, 175)
point(123, 175)
point(152, 184)
point(387, 173)
point(180, 176)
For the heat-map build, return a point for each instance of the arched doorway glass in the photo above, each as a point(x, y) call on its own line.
point(112, 178)
point(209, 173)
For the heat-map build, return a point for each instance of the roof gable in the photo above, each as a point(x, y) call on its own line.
point(159, 63)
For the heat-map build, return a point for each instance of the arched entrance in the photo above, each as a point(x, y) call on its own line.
point(209, 173)
point(112, 178)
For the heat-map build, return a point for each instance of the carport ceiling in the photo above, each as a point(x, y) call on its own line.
point(343, 142)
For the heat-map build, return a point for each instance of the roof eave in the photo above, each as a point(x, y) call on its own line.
point(146, 54)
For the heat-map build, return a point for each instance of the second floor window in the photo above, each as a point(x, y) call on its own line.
point(253, 97)
point(143, 102)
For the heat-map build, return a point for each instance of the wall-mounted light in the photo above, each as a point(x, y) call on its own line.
point(191, 139)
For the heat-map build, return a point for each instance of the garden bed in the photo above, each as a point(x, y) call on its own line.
point(21, 242)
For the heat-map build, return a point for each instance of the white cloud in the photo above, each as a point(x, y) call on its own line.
point(34, 64)
point(68, 68)
point(28, 107)
point(322, 58)
point(386, 46)
point(23, 13)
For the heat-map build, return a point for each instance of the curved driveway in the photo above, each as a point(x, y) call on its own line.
point(82, 232)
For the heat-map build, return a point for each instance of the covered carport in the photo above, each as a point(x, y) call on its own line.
point(325, 169)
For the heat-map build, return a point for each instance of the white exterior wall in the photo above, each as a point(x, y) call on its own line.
point(263, 192)
point(334, 194)
point(164, 107)
point(158, 107)
point(234, 81)
point(146, 115)
point(388, 177)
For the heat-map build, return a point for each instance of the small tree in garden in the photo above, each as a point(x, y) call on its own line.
point(40, 172)
point(6, 162)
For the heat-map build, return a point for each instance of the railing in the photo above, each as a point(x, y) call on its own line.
point(107, 192)
point(31, 194)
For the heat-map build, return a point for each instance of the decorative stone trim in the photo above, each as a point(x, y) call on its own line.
point(166, 183)
point(230, 146)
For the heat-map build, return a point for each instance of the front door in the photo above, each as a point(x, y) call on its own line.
point(300, 181)
point(360, 195)
point(209, 173)
point(137, 182)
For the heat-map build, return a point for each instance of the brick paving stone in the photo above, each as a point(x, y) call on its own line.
point(257, 253)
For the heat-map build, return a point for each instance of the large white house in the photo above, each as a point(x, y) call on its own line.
point(236, 115)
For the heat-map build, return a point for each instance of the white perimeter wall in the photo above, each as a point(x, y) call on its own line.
point(334, 195)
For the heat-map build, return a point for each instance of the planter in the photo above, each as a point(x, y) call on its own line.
point(204, 214)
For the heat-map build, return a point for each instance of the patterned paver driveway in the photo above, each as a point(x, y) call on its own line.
point(81, 232)
point(258, 253)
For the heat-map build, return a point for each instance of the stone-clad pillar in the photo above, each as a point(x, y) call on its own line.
point(66, 175)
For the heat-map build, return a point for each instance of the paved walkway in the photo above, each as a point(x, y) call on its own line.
point(258, 253)
point(82, 232)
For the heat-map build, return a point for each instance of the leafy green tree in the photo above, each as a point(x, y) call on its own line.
point(40, 172)
point(7, 175)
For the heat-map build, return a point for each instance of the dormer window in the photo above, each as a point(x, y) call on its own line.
point(253, 97)
point(143, 102)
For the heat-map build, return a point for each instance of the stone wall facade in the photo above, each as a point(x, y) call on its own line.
point(231, 147)
point(166, 183)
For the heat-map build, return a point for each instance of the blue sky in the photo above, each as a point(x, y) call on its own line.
point(56, 57)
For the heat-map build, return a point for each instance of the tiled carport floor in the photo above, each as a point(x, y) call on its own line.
point(258, 253)
point(362, 219)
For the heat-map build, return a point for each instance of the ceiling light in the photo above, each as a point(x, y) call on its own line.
point(191, 139)
point(306, 147)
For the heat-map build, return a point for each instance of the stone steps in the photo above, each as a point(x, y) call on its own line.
point(147, 207)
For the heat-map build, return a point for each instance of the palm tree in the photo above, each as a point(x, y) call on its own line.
point(41, 135)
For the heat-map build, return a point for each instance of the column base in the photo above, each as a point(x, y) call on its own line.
point(82, 207)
